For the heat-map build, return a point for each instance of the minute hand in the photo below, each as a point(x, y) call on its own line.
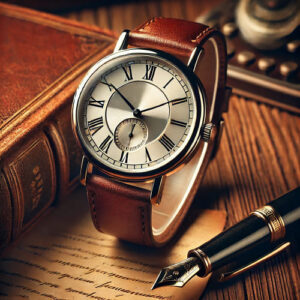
point(159, 105)
point(121, 95)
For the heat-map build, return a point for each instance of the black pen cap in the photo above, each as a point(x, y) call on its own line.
point(288, 207)
point(276, 222)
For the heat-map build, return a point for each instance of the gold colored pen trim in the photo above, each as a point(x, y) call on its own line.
point(226, 276)
point(205, 260)
point(274, 221)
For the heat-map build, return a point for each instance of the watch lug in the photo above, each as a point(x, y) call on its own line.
point(85, 169)
point(156, 192)
point(122, 41)
point(194, 57)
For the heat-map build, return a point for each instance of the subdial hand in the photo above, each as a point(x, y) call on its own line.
point(121, 95)
point(159, 105)
point(131, 134)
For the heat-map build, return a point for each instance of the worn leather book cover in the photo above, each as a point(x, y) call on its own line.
point(42, 61)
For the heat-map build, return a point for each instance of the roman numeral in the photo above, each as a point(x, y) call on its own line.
point(178, 123)
point(128, 73)
point(148, 157)
point(124, 157)
point(166, 142)
point(97, 103)
point(95, 125)
point(168, 83)
point(104, 146)
point(150, 71)
point(178, 101)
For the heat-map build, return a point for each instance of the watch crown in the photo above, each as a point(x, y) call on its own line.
point(206, 131)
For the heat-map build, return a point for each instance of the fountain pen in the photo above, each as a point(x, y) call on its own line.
point(264, 233)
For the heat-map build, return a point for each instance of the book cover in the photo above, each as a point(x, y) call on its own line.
point(43, 59)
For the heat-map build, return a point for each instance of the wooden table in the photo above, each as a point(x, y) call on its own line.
point(258, 159)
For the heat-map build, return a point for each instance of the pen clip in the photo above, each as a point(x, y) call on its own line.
point(228, 275)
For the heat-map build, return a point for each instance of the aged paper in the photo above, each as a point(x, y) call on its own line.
point(64, 257)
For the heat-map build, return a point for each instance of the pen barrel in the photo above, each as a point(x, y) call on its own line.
point(232, 244)
point(276, 221)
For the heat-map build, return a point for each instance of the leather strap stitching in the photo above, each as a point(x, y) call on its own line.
point(148, 23)
point(93, 206)
point(202, 33)
point(143, 221)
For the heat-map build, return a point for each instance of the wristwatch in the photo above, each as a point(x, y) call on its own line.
point(148, 118)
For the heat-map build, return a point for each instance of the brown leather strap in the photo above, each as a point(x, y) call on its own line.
point(119, 209)
point(174, 36)
point(180, 37)
point(124, 210)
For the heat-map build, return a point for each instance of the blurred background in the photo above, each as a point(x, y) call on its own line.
point(263, 36)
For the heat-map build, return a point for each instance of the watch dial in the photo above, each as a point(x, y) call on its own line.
point(136, 113)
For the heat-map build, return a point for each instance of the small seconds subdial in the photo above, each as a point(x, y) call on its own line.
point(131, 134)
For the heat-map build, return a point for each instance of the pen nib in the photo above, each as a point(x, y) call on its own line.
point(178, 274)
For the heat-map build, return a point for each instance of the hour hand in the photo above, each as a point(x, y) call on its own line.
point(121, 95)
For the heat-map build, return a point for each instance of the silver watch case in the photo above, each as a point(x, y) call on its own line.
point(191, 146)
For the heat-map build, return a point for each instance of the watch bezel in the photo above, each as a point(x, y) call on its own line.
point(200, 99)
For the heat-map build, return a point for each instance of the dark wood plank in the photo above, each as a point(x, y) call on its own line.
point(257, 161)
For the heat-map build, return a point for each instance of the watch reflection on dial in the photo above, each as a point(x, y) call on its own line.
point(131, 134)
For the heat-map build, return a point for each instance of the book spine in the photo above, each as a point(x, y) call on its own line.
point(67, 152)
point(5, 212)
point(36, 173)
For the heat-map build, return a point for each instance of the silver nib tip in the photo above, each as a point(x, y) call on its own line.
point(178, 274)
point(158, 280)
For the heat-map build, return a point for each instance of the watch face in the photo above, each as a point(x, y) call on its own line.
point(138, 113)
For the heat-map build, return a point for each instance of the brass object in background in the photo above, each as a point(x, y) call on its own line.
point(263, 48)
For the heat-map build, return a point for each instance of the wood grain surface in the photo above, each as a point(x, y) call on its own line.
point(258, 159)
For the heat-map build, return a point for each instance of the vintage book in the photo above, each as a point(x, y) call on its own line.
point(42, 61)
point(67, 258)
